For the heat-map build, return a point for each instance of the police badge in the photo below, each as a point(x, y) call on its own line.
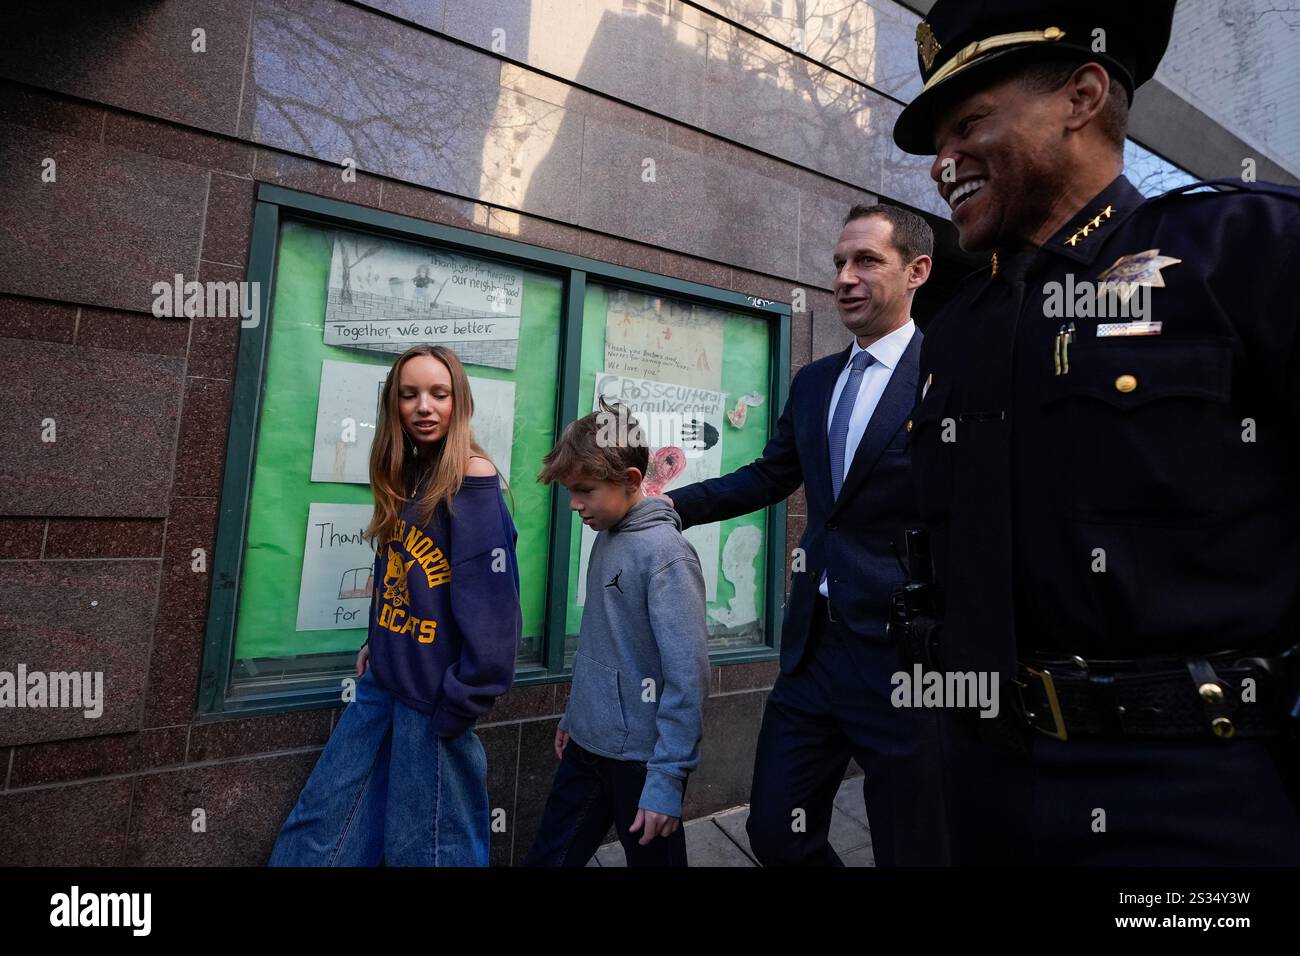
point(1123, 279)
point(927, 45)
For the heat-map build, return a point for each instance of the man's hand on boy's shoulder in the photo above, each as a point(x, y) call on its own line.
point(665, 498)
point(656, 824)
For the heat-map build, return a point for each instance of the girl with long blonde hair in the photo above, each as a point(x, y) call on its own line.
point(403, 779)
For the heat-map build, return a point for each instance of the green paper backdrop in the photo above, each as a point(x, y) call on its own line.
point(282, 488)
point(746, 345)
point(282, 485)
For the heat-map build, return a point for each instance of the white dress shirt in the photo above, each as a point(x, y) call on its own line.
point(887, 351)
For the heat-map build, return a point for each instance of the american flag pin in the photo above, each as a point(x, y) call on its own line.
point(1107, 330)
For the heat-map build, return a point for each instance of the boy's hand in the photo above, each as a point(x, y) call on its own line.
point(561, 740)
point(363, 660)
point(656, 824)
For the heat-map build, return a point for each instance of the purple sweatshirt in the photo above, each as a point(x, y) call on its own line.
point(444, 617)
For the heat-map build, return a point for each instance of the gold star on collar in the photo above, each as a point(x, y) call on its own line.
point(927, 45)
point(1089, 225)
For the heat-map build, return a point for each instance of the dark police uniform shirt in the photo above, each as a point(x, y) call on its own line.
point(1143, 495)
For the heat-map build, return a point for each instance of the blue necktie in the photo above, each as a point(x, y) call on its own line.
point(840, 420)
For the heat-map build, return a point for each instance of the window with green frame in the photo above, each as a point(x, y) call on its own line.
point(345, 289)
point(704, 407)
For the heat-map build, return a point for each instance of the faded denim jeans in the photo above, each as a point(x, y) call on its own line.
point(387, 789)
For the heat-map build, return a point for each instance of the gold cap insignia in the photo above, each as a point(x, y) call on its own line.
point(927, 45)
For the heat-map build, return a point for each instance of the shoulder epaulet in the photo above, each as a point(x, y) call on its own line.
point(1232, 185)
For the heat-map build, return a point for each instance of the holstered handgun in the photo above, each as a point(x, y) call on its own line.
point(916, 606)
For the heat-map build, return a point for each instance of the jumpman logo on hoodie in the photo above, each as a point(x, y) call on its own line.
point(614, 582)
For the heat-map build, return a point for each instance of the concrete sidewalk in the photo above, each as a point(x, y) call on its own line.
point(720, 840)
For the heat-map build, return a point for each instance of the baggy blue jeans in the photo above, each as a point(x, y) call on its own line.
point(388, 789)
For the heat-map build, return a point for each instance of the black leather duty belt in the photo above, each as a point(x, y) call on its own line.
point(1226, 694)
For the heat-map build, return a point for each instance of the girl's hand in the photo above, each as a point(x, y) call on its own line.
point(561, 740)
point(363, 659)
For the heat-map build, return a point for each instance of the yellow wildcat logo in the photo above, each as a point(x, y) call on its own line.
point(395, 579)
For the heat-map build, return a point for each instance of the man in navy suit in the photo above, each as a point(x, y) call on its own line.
point(842, 436)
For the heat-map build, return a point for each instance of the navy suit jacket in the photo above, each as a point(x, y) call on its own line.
point(853, 537)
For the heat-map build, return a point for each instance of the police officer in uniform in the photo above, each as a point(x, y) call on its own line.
point(1112, 493)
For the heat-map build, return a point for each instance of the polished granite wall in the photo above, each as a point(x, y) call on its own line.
point(532, 120)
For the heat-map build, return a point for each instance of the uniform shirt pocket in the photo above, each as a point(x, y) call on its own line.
point(1148, 425)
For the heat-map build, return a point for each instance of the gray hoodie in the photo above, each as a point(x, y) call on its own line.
point(642, 667)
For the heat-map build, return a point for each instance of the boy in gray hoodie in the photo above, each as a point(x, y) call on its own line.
point(631, 732)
